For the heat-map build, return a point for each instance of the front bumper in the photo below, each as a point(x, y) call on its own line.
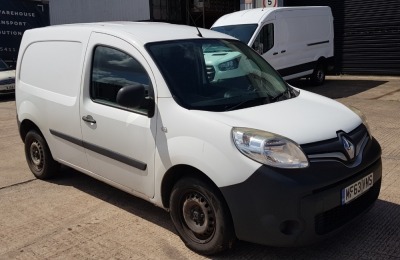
point(286, 207)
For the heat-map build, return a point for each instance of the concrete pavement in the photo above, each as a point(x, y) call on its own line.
point(75, 216)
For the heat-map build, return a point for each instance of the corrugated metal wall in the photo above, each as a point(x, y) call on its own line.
point(367, 34)
point(78, 11)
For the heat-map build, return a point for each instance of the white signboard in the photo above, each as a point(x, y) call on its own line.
point(266, 3)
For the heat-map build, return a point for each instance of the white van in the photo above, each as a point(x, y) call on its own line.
point(247, 156)
point(296, 41)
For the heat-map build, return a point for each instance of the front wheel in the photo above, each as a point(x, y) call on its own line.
point(38, 156)
point(201, 217)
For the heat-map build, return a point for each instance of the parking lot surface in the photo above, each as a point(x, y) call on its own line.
point(75, 216)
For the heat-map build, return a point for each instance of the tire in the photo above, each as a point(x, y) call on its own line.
point(38, 156)
point(318, 76)
point(201, 217)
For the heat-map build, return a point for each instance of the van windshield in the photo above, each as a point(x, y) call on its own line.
point(243, 32)
point(217, 75)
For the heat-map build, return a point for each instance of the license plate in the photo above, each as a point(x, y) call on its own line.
point(11, 86)
point(7, 87)
point(356, 189)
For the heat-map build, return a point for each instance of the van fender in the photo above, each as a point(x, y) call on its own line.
point(223, 166)
point(29, 111)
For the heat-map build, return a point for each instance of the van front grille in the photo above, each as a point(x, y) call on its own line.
point(333, 149)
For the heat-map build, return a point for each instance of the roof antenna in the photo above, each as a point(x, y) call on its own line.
point(191, 18)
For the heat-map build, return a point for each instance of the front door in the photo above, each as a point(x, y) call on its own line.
point(119, 141)
point(266, 45)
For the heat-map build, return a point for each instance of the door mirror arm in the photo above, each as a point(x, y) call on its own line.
point(151, 105)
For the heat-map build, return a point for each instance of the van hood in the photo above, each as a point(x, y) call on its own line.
point(306, 118)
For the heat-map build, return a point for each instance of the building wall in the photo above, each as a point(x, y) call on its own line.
point(16, 16)
point(81, 11)
point(204, 13)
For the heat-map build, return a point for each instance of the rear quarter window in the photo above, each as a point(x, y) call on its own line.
point(54, 66)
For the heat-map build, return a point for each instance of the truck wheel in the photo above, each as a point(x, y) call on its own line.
point(318, 76)
point(201, 217)
point(38, 156)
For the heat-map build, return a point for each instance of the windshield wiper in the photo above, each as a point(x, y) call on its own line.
point(287, 94)
point(261, 100)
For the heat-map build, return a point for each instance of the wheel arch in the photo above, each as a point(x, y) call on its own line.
point(178, 172)
point(27, 125)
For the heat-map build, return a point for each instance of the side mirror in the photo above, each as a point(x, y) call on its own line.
point(134, 96)
point(131, 96)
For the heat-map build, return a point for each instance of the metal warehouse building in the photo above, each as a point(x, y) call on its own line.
point(204, 13)
point(367, 32)
point(16, 16)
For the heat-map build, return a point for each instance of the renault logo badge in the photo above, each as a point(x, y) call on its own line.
point(348, 147)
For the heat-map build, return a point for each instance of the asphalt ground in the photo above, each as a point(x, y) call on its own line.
point(77, 217)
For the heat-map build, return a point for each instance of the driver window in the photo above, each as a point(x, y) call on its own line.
point(265, 39)
point(112, 70)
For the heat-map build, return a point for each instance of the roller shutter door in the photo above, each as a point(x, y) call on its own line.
point(367, 34)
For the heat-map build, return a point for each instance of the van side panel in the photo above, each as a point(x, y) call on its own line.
point(53, 66)
point(304, 36)
point(50, 74)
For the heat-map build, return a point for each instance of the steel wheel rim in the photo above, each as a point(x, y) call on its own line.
point(36, 155)
point(198, 217)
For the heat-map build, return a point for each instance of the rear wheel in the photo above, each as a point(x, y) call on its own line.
point(201, 216)
point(318, 76)
point(38, 156)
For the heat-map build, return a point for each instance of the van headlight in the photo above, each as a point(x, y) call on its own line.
point(229, 65)
point(268, 148)
point(363, 119)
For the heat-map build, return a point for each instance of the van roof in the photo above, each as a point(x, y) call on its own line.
point(139, 32)
point(257, 15)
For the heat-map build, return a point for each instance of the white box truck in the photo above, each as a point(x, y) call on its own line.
point(296, 41)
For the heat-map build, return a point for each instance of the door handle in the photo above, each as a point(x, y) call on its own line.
point(275, 53)
point(283, 51)
point(89, 119)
